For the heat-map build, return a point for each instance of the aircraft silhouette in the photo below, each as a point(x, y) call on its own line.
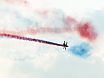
point(65, 44)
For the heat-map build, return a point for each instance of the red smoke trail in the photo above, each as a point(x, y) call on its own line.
point(30, 39)
point(43, 30)
point(20, 2)
point(86, 30)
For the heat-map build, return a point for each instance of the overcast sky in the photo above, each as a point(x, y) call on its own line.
point(21, 59)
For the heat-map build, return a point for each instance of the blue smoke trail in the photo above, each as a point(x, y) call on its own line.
point(81, 50)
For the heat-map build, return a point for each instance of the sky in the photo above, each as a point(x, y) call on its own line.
point(48, 20)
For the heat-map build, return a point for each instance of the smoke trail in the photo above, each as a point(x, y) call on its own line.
point(30, 39)
point(86, 30)
point(81, 50)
